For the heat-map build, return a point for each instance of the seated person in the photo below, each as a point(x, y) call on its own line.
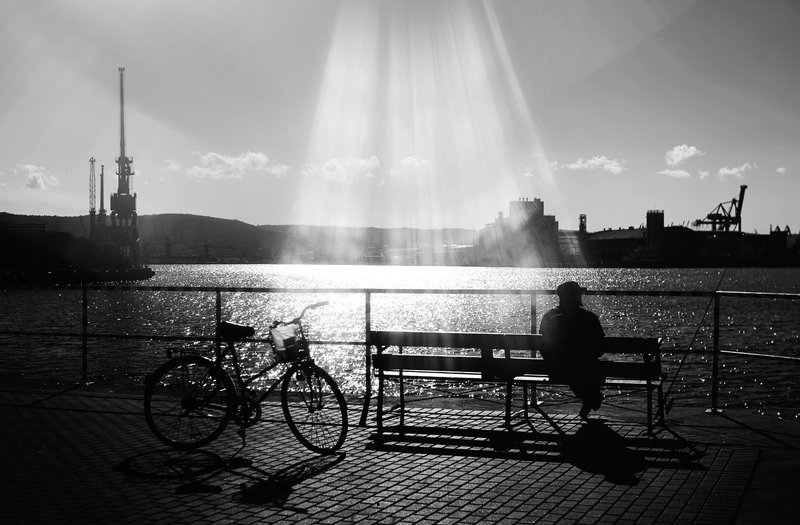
point(573, 340)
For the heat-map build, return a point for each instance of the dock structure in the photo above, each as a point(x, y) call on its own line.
point(85, 455)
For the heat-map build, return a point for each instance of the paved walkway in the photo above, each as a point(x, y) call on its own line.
point(86, 456)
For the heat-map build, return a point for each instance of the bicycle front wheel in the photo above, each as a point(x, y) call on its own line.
point(314, 408)
point(188, 402)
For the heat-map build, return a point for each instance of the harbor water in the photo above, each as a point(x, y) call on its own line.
point(747, 324)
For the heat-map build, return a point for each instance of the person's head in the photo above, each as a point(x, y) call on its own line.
point(569, 295)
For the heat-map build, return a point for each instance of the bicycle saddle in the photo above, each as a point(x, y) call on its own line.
point(230, 331)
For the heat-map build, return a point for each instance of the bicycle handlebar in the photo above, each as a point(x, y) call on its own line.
point(297, 319)
point(315, 305)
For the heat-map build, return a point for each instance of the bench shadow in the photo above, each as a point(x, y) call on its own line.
point(594, 447)
point(200, 471)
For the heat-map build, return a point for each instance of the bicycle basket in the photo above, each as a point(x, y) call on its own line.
point(287, 342)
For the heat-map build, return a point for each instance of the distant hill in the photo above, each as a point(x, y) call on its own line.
point(175, 237)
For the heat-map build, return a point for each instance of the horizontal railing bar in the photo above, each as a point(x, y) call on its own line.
point(760, 295)
point(39, 333)
point(154, 337)
point(109, 336)
point(753, 354)
point(80, 335)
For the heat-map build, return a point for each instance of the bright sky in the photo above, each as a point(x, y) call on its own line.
point(405, 113)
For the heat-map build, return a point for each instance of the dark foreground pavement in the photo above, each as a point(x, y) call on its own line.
point(86, 456)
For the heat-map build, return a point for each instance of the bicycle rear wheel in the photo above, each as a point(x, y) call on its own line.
point(314, 408)
point(188, 402)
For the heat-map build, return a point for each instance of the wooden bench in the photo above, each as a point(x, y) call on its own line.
point(641, 369)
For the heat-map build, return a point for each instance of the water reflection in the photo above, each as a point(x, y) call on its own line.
point(685, 324)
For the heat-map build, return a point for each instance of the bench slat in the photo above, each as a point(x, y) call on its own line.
point(539, 379)
point(613, 344)
point(453, 339)
point(502, 368)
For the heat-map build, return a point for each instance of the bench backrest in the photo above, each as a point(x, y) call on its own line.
point(613, 345)
point(490, 366)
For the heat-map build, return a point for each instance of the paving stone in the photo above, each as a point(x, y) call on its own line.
point(62, 452)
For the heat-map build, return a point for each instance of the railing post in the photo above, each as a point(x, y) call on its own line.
point(218, 315)
point(367, 359)
point(715, 359)
point(218, 308)
point(534, 295)
point(85, 336)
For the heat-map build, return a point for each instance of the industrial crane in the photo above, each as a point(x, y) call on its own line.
point(122, 230)
point(726, 214)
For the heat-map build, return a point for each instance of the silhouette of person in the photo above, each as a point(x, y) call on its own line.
point(573, 340)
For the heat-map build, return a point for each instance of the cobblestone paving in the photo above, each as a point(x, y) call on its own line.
point(83, 458)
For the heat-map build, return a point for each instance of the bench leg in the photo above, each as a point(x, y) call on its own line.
point(509, 393)
point(525, 400)
point(531, 400)
point(662, 410)
point(380, 403)
point(401, 385)
point(649, 408)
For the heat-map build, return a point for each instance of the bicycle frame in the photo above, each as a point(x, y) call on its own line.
point(243, 382)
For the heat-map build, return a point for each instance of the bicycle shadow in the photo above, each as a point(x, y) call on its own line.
point(196, 469)
point(172, 464)
point(278, 486)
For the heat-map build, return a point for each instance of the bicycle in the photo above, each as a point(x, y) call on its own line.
point(189, 400)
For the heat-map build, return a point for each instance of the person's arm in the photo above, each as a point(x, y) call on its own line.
point(599, 335)
point(545, 318)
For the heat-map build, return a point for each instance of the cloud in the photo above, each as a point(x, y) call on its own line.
point(681, 153)
point(703, 173)
point(343, 170)
point(36, 177)
point(678, 174)
point(170, 166)
point(538, 166)
point(737, 172)
point(598, 162)
point(220, 167)
point(781, 170)
point(411, 166)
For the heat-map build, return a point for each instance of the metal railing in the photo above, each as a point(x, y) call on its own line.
point(86, 335)
point(717, 351)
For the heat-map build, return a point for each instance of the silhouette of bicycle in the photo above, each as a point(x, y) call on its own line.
point(190, 399)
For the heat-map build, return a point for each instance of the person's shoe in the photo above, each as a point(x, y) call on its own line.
point(584, 413)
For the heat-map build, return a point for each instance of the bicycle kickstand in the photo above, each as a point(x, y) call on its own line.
point(242, 433)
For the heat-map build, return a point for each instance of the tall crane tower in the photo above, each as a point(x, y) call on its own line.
point(123, 229)
point(726, 214)
point(92, 201)
point(92, 210)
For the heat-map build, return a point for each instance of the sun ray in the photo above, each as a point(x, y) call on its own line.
point(428, 90)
